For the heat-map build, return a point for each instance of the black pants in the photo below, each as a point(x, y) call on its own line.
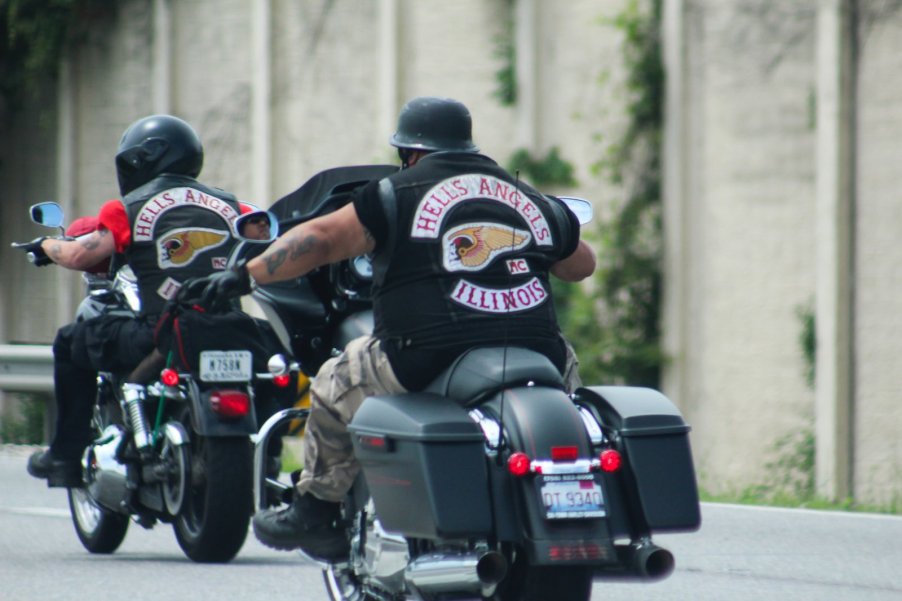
point(81, 349)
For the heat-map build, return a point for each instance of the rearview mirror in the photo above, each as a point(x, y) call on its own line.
point(47, 213)
point(581, 207)
point(258, 226)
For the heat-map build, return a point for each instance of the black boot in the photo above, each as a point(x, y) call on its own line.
point(307, 524)
point(64, 473)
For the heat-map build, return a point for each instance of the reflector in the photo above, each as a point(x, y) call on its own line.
point(610, 460)
point(169, 377)
point(518, 464)
point(282, 380)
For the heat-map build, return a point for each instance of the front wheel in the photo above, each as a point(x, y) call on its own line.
point(216, 511)
point(99, 530)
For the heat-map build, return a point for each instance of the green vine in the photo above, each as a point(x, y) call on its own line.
point(506, 51)
point(808, 342)
point(34, 34)
point(618, 338)
point(552, 170)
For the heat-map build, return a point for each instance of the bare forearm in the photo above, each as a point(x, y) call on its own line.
point(578, 266)
point(299, 251)
point(81, 253)
point(305, 247)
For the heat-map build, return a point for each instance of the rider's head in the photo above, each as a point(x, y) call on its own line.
point(154, 145)
point(429, 124)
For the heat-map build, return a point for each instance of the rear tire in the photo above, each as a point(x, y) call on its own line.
point(99, 530)
point(213, 522)
point(546, 583)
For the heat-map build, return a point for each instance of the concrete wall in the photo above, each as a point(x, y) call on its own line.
point(782, 140)
point(783, 135)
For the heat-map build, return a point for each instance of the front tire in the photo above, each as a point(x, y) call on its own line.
point(99, 530)
point(213, 522)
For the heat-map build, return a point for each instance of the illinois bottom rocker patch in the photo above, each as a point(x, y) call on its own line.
point(504, 300)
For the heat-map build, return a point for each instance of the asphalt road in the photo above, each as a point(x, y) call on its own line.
point(740, 553)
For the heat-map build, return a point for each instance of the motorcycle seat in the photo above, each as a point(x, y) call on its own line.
point(481, 371)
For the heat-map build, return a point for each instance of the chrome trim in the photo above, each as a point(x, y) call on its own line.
point(593, 428)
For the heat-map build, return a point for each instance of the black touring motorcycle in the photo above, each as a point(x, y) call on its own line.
point(492, 483)
point(182, 452)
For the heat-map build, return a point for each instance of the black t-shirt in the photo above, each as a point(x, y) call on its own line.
point(461, 260)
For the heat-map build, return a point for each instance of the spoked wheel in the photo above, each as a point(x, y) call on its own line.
point(214, 517)
point(99, 530)
point(177, 461)
point(545, 583)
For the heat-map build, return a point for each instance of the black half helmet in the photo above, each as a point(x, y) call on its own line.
point(432, 123)
point(154, 145)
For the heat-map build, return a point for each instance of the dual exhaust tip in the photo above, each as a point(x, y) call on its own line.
point(442, 572)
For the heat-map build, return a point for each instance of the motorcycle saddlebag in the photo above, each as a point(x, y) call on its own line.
point(658, 479)
point(424, 463)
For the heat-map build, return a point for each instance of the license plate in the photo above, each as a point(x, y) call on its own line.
point(225, 366)
point(571, 497)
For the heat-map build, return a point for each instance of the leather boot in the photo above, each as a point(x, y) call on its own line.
point(308, 524)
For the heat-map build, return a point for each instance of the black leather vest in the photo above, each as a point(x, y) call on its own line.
point(180, 229)
point(468, 256)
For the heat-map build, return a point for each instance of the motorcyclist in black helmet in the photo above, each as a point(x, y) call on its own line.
point(462, 252)
point(168, 227)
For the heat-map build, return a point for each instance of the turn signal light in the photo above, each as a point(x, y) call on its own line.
point(518, 464)
point(282, 380)
point(230, 403)
point(169, 377)
point(610, 460)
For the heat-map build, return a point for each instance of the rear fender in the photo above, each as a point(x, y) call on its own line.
point(534, 420)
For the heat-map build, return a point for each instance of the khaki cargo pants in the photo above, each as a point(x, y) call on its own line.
point(336, 394)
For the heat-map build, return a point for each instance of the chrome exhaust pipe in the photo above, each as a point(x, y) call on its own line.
point(440, 572)
point(646, 560)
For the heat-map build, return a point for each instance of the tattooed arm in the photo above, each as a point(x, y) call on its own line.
point(81, 253)
point(309, 245)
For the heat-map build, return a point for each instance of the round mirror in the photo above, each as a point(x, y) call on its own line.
point(258, 225)
point(47, 213)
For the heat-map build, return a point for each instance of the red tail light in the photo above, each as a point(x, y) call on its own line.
point(169, 377)
point(282, 380)
point(564, 453)
point(230, 403)
point(610, 460)
point(518, 464)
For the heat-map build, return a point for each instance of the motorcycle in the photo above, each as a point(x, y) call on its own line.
point(491, 483)
point(179, 453)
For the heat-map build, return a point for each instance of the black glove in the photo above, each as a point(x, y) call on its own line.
point(34, 251)
point(227, 284)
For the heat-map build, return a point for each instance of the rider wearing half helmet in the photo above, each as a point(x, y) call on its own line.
point(462, 251)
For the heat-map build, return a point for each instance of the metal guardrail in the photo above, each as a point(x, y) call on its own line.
point(26, 367)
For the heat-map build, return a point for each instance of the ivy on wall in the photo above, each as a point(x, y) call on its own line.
point(506, 51)
point(615, 327)
point(33, 34)
point(551, 170)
